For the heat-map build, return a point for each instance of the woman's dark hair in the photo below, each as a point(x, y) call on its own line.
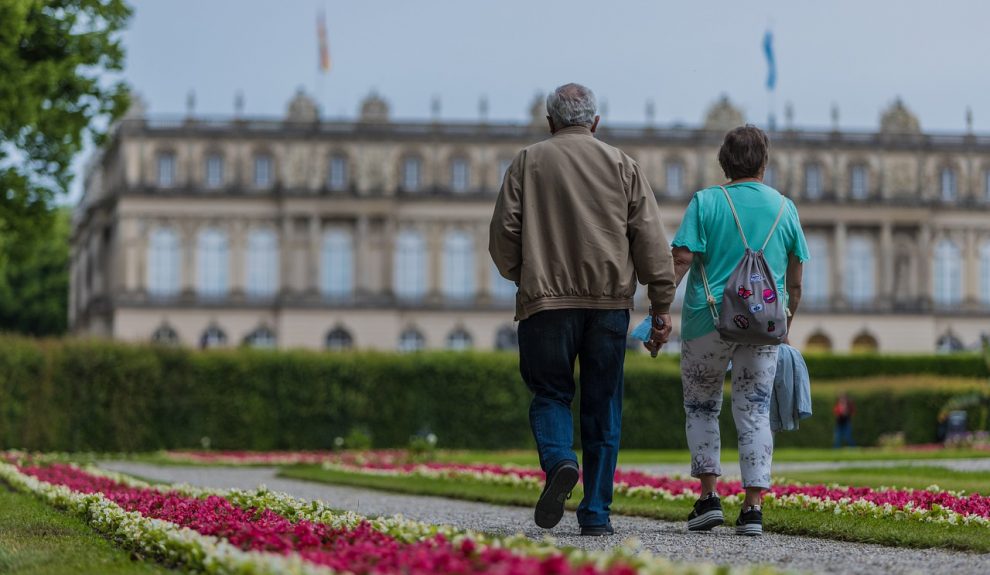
point(744, 152)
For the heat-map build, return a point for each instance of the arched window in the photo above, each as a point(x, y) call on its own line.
point(261, 262)
point(164, 263)
point(770, 176)
point(412, 173)
point(985, 273)
point(261, 338)
point(339, 339)
point(813, 185)
point(264, 170)
point(675, 178)
point(860, 271)
point(818, 343)
point(949, 343)
point(411, 340)
point(948, 274)
point(458, 266)
point(214, 171)
point(506, 338)
point(337, 174)
point(865, 343)
point(213, 337)
point(411, 266)
point(859, 182)
point(460, 175)
point(817, 279)
point(337, 264)
point(212, 256)
point(166, 169)
point(502, 289)
point(459, 340)
point(165, 335)
point(947, 185)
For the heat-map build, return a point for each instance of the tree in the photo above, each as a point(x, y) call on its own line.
point(34, 287)
point(55, 92)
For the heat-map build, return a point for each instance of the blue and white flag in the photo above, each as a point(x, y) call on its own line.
point(771, 64)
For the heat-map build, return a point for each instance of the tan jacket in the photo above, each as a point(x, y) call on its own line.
point(576, 224)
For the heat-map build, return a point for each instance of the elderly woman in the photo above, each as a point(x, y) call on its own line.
point(709, 237)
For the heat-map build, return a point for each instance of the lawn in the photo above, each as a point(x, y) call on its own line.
point(795, 522)
point(36, 539)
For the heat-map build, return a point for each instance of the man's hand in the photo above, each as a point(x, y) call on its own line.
point(659, 334)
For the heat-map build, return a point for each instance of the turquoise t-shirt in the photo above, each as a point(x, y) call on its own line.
point(709, 231)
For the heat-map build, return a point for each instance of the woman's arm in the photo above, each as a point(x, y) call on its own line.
point(795, 269)
point(682, 262)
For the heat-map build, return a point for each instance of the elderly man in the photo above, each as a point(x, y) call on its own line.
point(575, 225)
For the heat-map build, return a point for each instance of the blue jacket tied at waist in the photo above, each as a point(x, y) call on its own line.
point(791, 398)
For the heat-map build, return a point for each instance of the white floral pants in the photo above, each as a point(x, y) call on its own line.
point(704, 361)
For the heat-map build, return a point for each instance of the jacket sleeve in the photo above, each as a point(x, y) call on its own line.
point(648, 243)
point(505, 231)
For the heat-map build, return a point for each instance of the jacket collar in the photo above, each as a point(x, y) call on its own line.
point(581, 130)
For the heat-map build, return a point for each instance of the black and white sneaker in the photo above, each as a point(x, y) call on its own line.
point(707, 514)
point(750, 522)
point(560, 481)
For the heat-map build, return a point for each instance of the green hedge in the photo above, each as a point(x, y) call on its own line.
point(78, 395)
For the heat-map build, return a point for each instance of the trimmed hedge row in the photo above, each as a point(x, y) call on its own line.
point(77, 395)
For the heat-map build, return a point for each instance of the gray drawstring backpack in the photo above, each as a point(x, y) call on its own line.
point(752, 310)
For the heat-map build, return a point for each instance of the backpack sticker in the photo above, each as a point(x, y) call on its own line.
point(771, 327)
point(756, 278)
point(756, 308)
point(744, 293)
point(741, 321)
point(769, 295)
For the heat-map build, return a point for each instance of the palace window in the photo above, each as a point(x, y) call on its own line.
point(459, 340)
point(675, 179)
point(337, 264)
point(865, 343)
point(212, 256)
point(165, 335)
point(947, 185)
point(337, 178)
point(263, 171)
point(460, 175)
point(985, 274)
point(164, 263)
point(261, 338)
point(948, 274)
point(860, 272)
point(411, 265)
point(213, 337)
point(214, 171)
point(412, 168)
point(261, 261)
point(339, 339)
point(859, 186)
point(949, 343)
point(506, 338)
point(411, 340)
point(166, 169)
point(817, 280)
point(458, 266)
point(502, 289)
point(813, 185)
point(818, 343)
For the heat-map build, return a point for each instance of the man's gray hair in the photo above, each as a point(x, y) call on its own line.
point(572, 105)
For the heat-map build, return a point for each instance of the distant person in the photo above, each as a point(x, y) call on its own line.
point(575, 225)
point(712, 241)
point(843, 411)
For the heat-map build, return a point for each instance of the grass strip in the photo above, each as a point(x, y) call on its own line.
point(36, 539)
point(790, 521)
point(907, 476)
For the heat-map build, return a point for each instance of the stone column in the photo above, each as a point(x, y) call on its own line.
point(887, 258)
point(838, 270)
point(388, 256)
point(971, 270)
point(925, 266)
point(363, 252)
point(313, 250)
point(238, 259)
point(188, 250)
point(284, 231)
point(434, 247)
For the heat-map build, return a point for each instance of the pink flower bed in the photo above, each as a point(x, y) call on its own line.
point(360, 550)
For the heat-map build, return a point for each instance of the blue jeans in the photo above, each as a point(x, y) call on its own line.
point(549, 343)
point(843, 434)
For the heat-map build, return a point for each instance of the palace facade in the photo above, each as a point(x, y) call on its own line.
point(373, 233)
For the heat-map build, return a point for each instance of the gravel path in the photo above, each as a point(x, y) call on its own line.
point(663, 538)
point(731, 469)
